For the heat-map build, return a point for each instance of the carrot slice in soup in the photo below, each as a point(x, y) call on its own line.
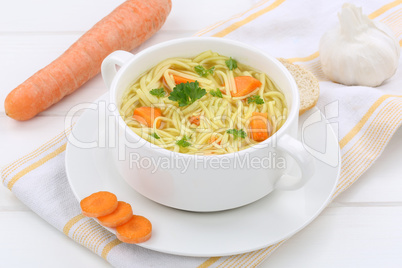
point(140, 120)
point(137, 230)
point(195, 120)
point(213, 139)
point(179, 80)
point(99, 204)
point(260, 128)
point(147, 115)
point(119, 216)
point(245, 85)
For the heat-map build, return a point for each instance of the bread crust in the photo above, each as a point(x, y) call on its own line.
point(307, 83)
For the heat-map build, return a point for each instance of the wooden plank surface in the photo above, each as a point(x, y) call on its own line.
point(362, 228)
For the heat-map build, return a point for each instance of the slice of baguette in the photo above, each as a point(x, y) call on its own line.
point(308, 85)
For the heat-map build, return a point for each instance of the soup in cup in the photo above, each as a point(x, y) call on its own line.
point(170, 157)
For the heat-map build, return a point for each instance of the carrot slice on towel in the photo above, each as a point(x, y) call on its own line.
point(137, 230)
point(119, 216)
point(99, 204)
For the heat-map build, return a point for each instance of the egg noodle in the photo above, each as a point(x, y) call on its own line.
point(217, 114)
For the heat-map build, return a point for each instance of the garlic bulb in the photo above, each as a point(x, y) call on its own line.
point(359, 51)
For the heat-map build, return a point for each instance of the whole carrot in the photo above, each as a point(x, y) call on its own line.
point(129, 25)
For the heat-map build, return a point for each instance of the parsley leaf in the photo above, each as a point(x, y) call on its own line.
point(187, 93)
point(155, 136)
point(159, 92)
point(202, 71)
point(183, 142)
point(231, 63)
point(255, 98)
point(217, 93)
point(237, 133)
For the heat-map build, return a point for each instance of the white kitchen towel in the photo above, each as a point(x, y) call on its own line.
point(366, 119)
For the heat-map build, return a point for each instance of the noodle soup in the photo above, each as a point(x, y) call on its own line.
point(209, 104)
point(176, 176)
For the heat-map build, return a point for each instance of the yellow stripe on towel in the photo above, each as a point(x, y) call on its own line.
point(268, 251)
point(209, 262)
point(70, 223)
point(373, 15)
point(308, 58)
point(250, 18)
point(363, 121)
point(16, 164)
point(36, 165)
point(109, 247)
point(373, 149)
point(216, 25)
point(384, 9)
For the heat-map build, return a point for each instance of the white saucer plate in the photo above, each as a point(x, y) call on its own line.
point(267, 221)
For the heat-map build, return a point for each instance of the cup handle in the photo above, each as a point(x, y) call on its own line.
point(108, 68)
point(305, 161)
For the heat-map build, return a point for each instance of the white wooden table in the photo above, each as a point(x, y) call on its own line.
point(362, 228)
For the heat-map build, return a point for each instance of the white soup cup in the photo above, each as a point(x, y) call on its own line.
point(207, 182)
